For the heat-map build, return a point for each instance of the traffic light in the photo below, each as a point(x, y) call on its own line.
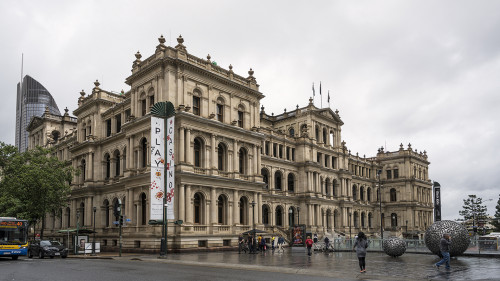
point(121, 220)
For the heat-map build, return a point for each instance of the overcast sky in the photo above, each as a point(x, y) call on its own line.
point(419, 72)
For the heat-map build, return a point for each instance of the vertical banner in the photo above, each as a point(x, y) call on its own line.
point(437, 201)
point(157, 168)
point(170, 168)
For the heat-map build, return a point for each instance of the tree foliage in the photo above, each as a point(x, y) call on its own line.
point(473, 208)
point(496, 220)
point(33, 183)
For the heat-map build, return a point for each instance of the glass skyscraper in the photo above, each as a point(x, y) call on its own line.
point(32, 98)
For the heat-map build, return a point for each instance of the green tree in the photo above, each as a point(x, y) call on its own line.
point(496, 220)
point(474, 209)
point(33, 183)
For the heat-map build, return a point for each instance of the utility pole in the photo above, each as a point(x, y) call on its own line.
point(379, 175)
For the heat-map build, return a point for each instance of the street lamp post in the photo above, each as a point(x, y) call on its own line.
point(298, 215)
point(350, 234)
point(93, 241)
point(379, 175)
point(253, 216)
point(77, 244)
point(406, 228)
point(290, 217)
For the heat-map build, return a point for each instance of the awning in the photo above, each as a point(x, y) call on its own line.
point(80, 231)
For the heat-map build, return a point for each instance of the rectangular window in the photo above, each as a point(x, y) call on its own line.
point(318, 157)
point(288, 153)
point(275, 153)
point(334, 161)
point(127, 115)
point(396, 173)
point(220, 113)
point(143, 107)
point(196, 106)
point(151, 101)
point(281, 150)
point(118, 123)
point(267, 148)
point(108, 127)
point(326, 161)
point(389, 174)
point(293, 154)
point(240, 119)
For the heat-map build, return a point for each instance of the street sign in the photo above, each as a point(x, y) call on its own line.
point(128, 220)
point(115, 222)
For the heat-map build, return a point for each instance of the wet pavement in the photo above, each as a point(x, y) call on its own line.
point(338, 265)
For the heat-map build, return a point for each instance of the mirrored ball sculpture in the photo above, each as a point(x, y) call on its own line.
point(459, 237)
point(394, 246)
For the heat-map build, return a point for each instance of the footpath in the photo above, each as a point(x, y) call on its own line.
point(337, 265)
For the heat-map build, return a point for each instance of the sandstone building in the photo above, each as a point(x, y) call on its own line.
point(236, 166)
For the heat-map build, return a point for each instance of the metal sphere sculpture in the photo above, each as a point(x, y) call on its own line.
point(394, 246)
point(459, 237)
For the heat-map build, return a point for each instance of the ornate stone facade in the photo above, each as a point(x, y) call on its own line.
point(229, 153)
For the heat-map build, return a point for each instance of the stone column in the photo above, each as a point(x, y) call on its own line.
point(182, 202)
point(259, 218)
point(213, 206)
point(130, 201)
point(181, 144)
point(258, 156)
point(258, 208)
point(189, 208)
point(213, 156)
point(236, 201)
point(188, 146)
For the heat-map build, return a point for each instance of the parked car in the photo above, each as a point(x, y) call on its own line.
point(47, 248)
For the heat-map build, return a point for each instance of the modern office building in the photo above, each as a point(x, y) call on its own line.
point(32, 99)
point(236, 167)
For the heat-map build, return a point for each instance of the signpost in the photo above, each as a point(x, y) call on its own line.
point(162, 168)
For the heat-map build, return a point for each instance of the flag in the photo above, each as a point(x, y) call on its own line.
point(320, 88)
point(328, 96)
point(313, 89)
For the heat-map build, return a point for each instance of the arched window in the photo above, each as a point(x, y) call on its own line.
point(394, 219)
point(144, 208)
point(291, 132)
point(277, 180)
point(279, 216)
point(221, 209)
point(356, 219)
point(327, 186)
point(197, 205)
point(106, 213)
point(291, 182)
point(370, 217)
point(144, 153)
point(82, 214)
point(107, 160)
point(265, 214)
point(265, 176)
point(197, 145)
point(196, 105)
point(243, 160)
point(393, 195)
point(244, 211)
point(369, 194)
point(336, 219)
point(334, 188)
point(84, 167)
point(362, 193)
point(354, 192)
point(221, 157)
point(68, 214)
point(117, 162)
point(363, 220)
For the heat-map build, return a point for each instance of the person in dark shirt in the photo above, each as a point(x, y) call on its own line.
point(444, 247)
point(360, 247)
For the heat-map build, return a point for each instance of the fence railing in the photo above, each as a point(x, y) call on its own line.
point(476, 246)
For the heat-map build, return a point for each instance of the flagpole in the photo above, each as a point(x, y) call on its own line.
point(320, 96)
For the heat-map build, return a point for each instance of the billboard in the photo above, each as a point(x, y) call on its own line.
point(170, 167)
point(437, 201)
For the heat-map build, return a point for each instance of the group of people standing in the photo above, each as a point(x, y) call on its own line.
point(253, 244)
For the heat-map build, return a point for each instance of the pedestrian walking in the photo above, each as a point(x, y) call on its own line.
point(315, 238)
point(360, 247)
point(309, 244)
point(281, 241)
point(263, 244)
point(444, 247)
point(272, 242)
point(327, 243)
point(259, 239)
point(240, 243)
